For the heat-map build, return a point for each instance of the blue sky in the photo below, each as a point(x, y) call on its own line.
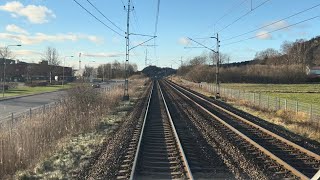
point(62, 24)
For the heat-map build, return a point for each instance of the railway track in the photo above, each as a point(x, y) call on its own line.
point(275, 155)
point(155, 150)
point(186, 136)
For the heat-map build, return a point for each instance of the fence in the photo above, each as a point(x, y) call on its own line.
point(40, 110)
point(263, 101)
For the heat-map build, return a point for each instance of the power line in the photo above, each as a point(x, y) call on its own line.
point(157, 18)
point(156, 28)
point(98, 18)
point(135, 17)
point(300, 12)
point(267, 33)
point(123, 3)
point(236, 20)
point(230, 11)
point(105, 16)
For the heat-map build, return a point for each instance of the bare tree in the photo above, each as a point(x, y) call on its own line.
point(198, 60)
point(224, 58)
point(5, 53)
point(268, 53)
point(52, 56)
point(88, 71)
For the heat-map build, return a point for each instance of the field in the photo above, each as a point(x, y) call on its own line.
point(24, 90)
point(307, 93)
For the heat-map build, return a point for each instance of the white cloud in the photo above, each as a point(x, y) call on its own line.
point(41, 37)
point(27, 53)
point(103, 55)
point(184, 41)
point(278, 25)
point(16, 29)
point(35, 14)
point(263, 35)
point(95, 39)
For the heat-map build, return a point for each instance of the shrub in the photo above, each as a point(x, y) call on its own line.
point(36, 83)
point(12, 85)
point(6, 87)
point(22, 143)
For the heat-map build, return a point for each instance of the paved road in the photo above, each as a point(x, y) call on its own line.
point(24, 103)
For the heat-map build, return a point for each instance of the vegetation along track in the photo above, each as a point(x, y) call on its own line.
point(155, 150)
point(276, 156)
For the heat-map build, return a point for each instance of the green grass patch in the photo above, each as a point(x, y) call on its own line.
point(24, 90)
point(306, 93)
point(311, 98)
point(271, 88)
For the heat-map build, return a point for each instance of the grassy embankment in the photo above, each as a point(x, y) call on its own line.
point(307, 93)
point(56, 144)
point(25, 90)
point(298, 123)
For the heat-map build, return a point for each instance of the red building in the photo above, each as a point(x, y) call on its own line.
point(22, 71)
point(313, 73)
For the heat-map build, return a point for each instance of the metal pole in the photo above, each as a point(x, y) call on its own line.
point(217, 69)
point(126, 84)
point(64, 62)
point(4, 76)
point(79, 61)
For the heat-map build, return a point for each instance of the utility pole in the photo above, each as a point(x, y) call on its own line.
point(217, 88)
point(217, 69)
point(79, 61)
point(181, 62)
point(126, 83)
point(146, 60)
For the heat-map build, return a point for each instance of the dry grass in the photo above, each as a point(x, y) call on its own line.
point(27, 141)
point(298, 123)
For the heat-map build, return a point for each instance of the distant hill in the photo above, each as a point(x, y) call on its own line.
point(154, 71)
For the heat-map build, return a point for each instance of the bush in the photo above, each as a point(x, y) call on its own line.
point(12, 85)
point(247, 74)
point(36, 83)
point(56, 83)
point(6, 87)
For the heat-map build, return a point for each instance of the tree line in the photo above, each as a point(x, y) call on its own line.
point(112, 70)
point(287, 65)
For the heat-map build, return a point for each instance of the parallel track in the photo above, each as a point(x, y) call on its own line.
point(155, 151)
point(286, 159)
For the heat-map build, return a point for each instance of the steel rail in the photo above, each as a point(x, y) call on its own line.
point(308, 152)
point(265, 151)
point(316, 176)
point(140, 138)
point(185, 161)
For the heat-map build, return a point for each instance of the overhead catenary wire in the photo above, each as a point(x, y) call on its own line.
point(123, 3)
point(156, 28)
point(267, 25)
point(98, 19)
point(135, 17)
point(236, 20)
point(230, 11)
point(105, 16)
point(269, 32)
point(157, 18)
